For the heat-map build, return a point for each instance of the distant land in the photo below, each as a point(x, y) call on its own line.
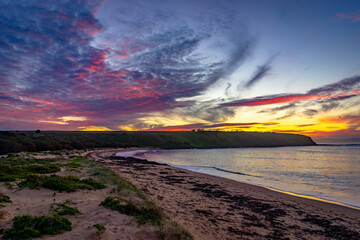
point(18, 141)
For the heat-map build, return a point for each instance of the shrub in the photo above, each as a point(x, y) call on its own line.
point(25, 227)
point(4, 198)
point(99, 226)
point(36, 168)
point(63, 209)
point(12, 169)
point(142, 214)
point(59, 183)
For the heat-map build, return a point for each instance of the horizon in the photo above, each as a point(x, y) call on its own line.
point(106, 65)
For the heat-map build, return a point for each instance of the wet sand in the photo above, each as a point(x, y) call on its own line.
point(218, 208)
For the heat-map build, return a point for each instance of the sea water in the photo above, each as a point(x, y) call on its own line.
point(329, 172)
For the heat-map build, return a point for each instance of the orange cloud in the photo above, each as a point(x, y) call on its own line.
point(94, 128)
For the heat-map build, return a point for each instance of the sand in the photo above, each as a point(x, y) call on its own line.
point(208, 207)
point(39, 202)
point(217, 208)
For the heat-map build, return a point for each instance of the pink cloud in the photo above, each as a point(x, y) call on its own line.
point(355, 17)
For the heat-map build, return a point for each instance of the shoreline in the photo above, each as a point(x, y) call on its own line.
point(212, 207)
point(137, 153)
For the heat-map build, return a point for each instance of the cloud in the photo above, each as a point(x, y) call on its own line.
point(188, 127)
point(310, 112)
point(343, 85)
point(354, 17)
point(260, 73)
point(82, 65)
point(281, 108)
point(63, 58)
point(94, 128)
point(65, 120)
point(346, 88)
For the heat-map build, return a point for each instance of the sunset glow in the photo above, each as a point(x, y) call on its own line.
point(171, 66)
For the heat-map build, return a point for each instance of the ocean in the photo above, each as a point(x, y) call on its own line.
point(328, 172)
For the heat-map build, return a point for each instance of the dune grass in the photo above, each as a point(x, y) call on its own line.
point(12, 168)
point(26, 171)
point(60, 183)
point(4, 198)
point(141, 213)
point(64, 209)
point(99, 227)
point(25, 227)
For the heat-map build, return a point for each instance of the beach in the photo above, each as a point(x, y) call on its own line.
point(217, 208)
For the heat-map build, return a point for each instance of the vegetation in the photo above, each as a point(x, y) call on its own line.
point(142, 214)
point(18, 141)
point(38, 173)
point(63, 209)
point(107, 176)
point(25, 227)
point(100, 227)
point(12, 168)
point(173, 230)
point(60, 183)
point(4, 198)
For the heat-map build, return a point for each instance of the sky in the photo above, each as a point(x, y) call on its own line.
point(268, 66)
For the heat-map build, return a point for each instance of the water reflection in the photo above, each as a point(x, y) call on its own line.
point(329, 172)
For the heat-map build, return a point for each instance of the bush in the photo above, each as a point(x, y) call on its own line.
point(59, 183)
point(99, 226)
point(4, 198)
point(36, 168)
point(63, 209)
point(12, 169)
point(125, 207)
point(25, 227)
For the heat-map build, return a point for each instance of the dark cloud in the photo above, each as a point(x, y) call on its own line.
point(287, 115)
point(310, 112)
point(206, 126)
point(260, 73)
point(343, 89)
point(65, 58)
point(227, 89)
point(328, 107)
point(59, 58)
point(343, 85)
point(266, 100)
point(305, 125)
point(281, 108)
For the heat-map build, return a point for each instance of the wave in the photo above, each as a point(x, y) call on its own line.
point(340, 145)
point(218, 169)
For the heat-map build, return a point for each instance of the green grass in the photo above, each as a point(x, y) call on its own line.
point(27, 227)
point(142, 214)
point(173, 230)
point(11, 141)
point(28, 169)
point(99, 226)
point(12, 168)
point(4, 198)
point(63, 209)
point(109, 177)
point(60, 183)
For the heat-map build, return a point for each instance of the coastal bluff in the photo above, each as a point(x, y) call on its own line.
point(17, 141)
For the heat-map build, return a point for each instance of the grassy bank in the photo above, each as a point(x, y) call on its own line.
point(44, 193)
point(17, 141)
